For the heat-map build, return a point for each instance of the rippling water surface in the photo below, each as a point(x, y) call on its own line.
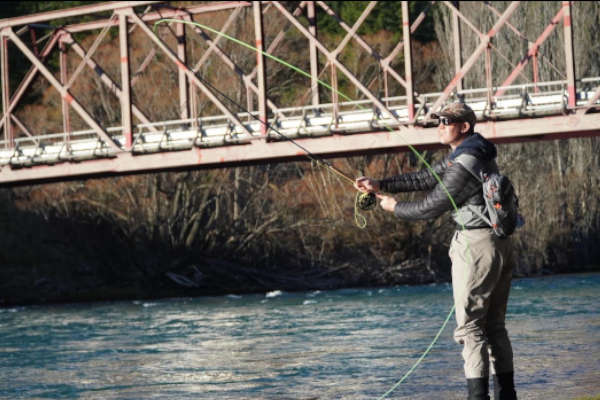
point(344, 344)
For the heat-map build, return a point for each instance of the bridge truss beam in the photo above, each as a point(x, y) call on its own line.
point(222, 132)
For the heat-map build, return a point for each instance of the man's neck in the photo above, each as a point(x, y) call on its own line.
point(458, 142)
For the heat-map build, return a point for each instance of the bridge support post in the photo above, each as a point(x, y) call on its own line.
point(8, 133)
point(125, 82)
point(457, 38)
point(260, 63)
point(488, 76)
point(183, 83)
point(536, 73)
point(64, 79)
point(410, 93)
point(335, 112)
point(314, 69)
point(569, 58)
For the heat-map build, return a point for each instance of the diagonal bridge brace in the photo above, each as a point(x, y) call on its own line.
point(229, 62)
point(337, 63)
point(64, 92)
point(188, 71)
point(104, 77)
point(351, 34)
point(532, 51)
point(31, 74)
point(485, 40)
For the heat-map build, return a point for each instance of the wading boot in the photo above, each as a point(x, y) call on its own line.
point(504, 386)
point(478, 388)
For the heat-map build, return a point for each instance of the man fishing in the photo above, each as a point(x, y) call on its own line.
point(482, 262)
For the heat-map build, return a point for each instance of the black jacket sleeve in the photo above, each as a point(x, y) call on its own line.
point(460, 185)
point(414, 181)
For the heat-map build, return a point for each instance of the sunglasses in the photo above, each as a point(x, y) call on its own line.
point(447, 120)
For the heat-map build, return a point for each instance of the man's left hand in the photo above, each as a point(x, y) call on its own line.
point(388, 203)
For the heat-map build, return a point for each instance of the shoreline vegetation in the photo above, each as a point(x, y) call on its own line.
point(283, 226)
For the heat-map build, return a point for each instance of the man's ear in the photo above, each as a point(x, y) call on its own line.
point(465, 127)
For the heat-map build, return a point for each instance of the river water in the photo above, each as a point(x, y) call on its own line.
point(343, 344)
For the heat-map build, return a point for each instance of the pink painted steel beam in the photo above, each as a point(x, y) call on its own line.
point(89, 53)
point(460, 15)
point(259, 151)
point(532, 51)
point(457, 39)
point(471, 61)
point(280, 36)
point(400, 45)
point(569, 56)
point(457, 15)
point(410, 95)
point(8, 132)
point(314, 68)
point(70, 12)
point(184, 102)
point(169, 53)
point(351, 34)
point(336, 63)
point(64, 79)
point(22, 126)
point(143, 66)
point(260, 64)
point(518, 33)
point(113, 86)
point(126, 122)
point(213, 45)
point(230, 63)
point(24, 85)
point(488, 74)
point(168, 13)
point(385, 63)
point(64, 92)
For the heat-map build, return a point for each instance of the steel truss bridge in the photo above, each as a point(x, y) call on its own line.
point(375, 123)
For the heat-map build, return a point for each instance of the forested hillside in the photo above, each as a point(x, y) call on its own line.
point(287, 226)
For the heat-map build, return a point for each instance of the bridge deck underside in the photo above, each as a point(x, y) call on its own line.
point(263, 150)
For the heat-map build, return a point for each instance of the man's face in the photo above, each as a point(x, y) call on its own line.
point(453, 133)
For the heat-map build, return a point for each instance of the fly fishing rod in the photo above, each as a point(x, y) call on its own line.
point(364, 201)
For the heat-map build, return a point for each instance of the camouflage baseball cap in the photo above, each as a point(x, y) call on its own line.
point(457, 112)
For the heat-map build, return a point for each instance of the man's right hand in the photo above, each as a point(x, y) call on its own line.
point(366, 185)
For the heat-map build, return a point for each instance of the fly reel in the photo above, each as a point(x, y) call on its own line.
point(366, 201)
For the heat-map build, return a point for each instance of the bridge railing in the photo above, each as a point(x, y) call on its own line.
point(518, 101)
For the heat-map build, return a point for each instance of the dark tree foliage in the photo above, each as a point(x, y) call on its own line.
point(18, 63)
point(385, 16)
point(11, 9)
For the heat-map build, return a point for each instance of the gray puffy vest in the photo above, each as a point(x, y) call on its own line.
point(500, 203)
